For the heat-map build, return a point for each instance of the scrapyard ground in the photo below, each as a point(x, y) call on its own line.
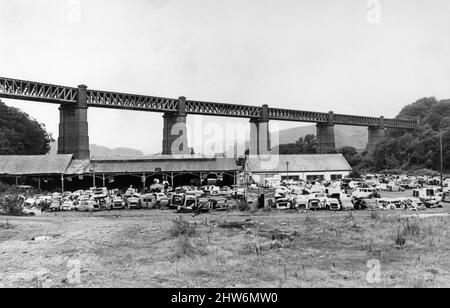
point(273, 249)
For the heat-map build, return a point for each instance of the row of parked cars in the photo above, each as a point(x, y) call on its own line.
point(97, 199)
point(336, 199)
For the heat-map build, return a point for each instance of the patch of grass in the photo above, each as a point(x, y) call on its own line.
point(374, 215)
point(182, 227)
point(412, 228)
point(184, 248)
point(400, 239)
point(6, 226)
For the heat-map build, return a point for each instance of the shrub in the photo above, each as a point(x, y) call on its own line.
point(11, 206)
point(374, 215)
point(400, 239)
point(182, 227)
point(243, 206)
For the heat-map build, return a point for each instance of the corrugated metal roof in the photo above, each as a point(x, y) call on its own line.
point(166, 165)
point(298, 163)
point(151, 157)
point(34, 164)
point(79, 166)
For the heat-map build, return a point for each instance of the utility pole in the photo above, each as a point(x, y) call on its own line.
point(287, 170)
point(442, 159)
point(93, 174)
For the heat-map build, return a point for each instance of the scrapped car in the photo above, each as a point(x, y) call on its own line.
point(283, 204)
point(164, 203)
point(118, 203)
point(149, 201)
point(332, 204)
point(134, 202)
point(322, 197)
point(315, 204)
point(104, 203)
point(55, 205)
point(365, 203)
point(190, 203)
point(347, 204)
point(220, 204)
point(177, 200)
point(301, 202)
point(431, 202)
point(67, 206)
point(365, 193)
point(203, 205)
point(414, 204)
point(85, 206)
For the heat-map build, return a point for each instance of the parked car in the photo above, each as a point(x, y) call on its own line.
point(118, 203)
point(315, 204)
point(55, 205)
point(177, 200)
point(446, 197)
point(149, 201)
point(332, 204)
point(134, 202)
point(365, 203)
point(322, 197)
point(203, 205)
point(67, 206)
point(220, 204)
point(86, 206)
point(283, 204)
point(432, 202)
point(190, 203)
point(365, 193)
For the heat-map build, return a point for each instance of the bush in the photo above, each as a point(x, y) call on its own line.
point(182, 227)
point(11, 206)
point(400, 239)
point(243, 206)
point(374, 215)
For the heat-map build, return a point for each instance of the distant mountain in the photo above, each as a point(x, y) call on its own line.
point(98, 150)
point(344, 135)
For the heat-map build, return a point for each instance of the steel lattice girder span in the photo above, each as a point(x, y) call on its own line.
point(49, 93)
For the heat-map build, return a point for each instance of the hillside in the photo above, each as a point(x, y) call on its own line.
point(20, 134)
point(354, 136)
point(97, 150)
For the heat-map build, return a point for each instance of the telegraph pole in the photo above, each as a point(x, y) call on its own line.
point(442, 159)
point(93, 174)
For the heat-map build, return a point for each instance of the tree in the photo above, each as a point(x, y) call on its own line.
point(21, 135)
point(351, 155)
point(306, 145)
point(418, 149)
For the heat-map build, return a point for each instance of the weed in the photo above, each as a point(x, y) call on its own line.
point(374, 215)
point(400, 239)
point(411, 228)
point(182, 227)
point(184, 247)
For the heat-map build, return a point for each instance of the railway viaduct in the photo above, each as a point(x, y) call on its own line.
point(75, 101)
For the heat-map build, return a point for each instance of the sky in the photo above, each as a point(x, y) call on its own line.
point(362, 57)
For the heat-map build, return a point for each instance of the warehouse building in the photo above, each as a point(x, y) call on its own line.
point(62, 171)
point(297, 167)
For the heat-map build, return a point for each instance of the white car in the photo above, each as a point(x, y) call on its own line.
point(322, 197)
point(364, 193)
point(67, 206)
point(333, 204)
